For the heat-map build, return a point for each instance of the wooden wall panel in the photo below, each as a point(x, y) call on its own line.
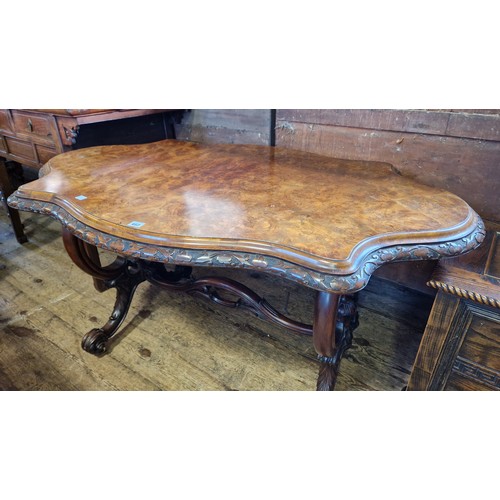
point(466, 167)
point(234, 126)
point(473, 125)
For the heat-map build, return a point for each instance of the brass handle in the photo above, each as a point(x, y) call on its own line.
point(30, 125)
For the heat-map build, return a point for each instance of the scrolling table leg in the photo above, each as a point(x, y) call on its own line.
point(122, 275)
point(335, 318)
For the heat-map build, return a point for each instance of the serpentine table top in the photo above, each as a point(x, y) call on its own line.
point(325, 223)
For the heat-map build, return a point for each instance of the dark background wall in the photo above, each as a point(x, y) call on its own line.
point(235, 126)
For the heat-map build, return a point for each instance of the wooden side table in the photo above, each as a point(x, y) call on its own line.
point(460, 349)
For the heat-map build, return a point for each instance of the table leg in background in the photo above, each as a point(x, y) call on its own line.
point(7, 190)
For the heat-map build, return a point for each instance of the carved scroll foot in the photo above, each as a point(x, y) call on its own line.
point(95, 341)
point(336, 318)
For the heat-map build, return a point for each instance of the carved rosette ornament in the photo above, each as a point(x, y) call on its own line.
point(340, 284)
point(69, 130)
point(71, 134)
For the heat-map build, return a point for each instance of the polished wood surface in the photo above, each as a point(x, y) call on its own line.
point(475, 277)
point(322, 213)
point(33, 136)
point(456, 151)
point(325, 223)
point(452, 149)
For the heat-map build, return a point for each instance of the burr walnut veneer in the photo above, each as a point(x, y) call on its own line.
point(165, 207)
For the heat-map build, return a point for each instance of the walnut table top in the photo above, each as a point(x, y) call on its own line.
point(322, 222)
point(251, 206)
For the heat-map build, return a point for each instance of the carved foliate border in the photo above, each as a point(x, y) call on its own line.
point(242, 260)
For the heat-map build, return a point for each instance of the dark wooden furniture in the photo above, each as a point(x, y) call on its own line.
point(33, 136)
point(6, 190)
point(460, 349)
point(168, 206)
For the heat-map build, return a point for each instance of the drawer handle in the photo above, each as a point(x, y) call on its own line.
point(30, 125)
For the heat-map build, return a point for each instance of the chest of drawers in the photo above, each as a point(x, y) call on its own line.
point(32, 137)
point(29, 137)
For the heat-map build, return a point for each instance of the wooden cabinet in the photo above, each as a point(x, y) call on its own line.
point(28, 137)
point(460, 349)
point(33, 136)
point(33, 125)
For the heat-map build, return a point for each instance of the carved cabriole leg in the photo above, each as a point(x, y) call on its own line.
point(122, 275)
point(324, 326)
point(335, 318)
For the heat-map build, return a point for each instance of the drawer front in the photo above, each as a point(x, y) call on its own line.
point(44, 153)
point(32, 124)
point(4, 121)
point(21, 149)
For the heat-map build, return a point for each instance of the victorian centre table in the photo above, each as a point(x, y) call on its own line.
point(167, 206)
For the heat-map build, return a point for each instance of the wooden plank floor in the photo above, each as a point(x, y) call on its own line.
point(173, 342)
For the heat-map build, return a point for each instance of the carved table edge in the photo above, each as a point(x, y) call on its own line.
point(341, 284)
point(464, 294)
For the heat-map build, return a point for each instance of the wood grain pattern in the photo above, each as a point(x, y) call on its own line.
point(483, 339)
point(470, 376)
point(460, 349)
point(460, 343)
point(175, 176)
point(476, 277)
point(33, 136)
point(418, 144)
point(466, 167)
point(231, 126)
point(302, 207)
point(438, 332)
point(472, 123)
